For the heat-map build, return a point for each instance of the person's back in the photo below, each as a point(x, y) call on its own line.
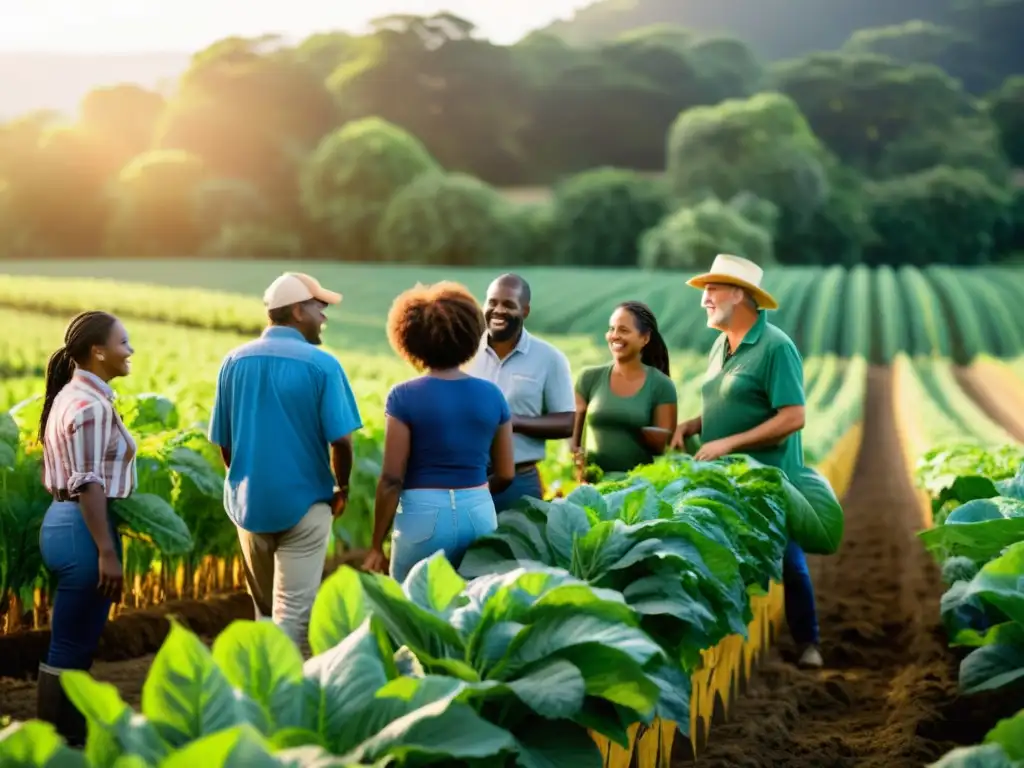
point(282, 415)
point(451, 429)
point(280, 464)
point(442, 432)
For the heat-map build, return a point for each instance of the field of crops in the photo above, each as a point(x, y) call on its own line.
point(900, 366)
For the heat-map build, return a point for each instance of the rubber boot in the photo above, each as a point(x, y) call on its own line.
point(53, 706)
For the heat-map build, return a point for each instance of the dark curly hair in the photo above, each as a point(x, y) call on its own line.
point(655, 354)
point(436, 326)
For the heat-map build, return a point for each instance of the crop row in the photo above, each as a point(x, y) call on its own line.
point(975, 499)
point(876, 314)
point(569, 627)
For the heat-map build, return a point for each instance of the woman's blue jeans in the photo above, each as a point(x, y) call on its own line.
point(801, 614)
point(79, 610)
point(431, 519)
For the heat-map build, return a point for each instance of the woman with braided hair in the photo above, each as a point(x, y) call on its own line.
point(627, 407)
point(88, 458)
point(444, 429)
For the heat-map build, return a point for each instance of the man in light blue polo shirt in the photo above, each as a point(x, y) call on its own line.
point(533, 375)
point(280, 402)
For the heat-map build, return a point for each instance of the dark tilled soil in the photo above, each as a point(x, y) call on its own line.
point(127, 647)
point(888, 696)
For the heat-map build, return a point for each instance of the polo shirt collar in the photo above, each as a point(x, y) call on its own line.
point(522, 346)
point(93, 381)
point(282, 332)
point(753, 335)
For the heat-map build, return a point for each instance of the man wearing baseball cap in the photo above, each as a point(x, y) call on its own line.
point(280, 402)
point(759, 412)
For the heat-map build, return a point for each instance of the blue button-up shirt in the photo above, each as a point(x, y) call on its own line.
point(279, 402)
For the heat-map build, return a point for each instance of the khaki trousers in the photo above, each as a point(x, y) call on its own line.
point(283, 571)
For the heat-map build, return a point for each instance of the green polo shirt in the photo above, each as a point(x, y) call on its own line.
point(745, 389)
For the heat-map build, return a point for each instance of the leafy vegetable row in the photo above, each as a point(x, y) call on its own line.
point(175, 525)
point(583, 615)
point(977, 537)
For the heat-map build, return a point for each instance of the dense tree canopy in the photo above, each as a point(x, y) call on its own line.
point(659, 143)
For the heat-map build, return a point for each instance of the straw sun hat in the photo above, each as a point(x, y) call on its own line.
point(743, 273)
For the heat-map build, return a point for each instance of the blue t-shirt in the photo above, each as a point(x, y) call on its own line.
point(452, 424)
point(279, 402)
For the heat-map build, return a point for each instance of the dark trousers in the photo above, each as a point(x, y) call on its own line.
point(79, 610)
point(526, 483)
point(801, 614)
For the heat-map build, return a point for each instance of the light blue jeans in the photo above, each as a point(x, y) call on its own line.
point(430, 519)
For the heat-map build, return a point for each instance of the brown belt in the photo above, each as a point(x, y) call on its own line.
point(525, 466)
point(61, 494)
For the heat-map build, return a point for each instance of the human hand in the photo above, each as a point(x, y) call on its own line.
point(339, 501)
point(376, 561)
point(579, 460)
point(685, 430)
point(716, 449)
point(111, 581)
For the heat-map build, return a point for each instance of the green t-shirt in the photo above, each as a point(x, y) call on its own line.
point(612, 436)
point(743, 390)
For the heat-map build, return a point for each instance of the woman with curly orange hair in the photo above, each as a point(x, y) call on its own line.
point(444, 428)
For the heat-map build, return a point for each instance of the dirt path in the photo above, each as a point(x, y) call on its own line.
point(986, 394)
point(887, 697)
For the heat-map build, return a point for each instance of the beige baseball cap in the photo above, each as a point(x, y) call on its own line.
point(296, 287)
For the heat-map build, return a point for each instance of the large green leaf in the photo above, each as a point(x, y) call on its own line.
point(36, 744)
point(261, 661)
point(113, 728)
point(152, 519)
point(338, 609)
point(817, 525)
point(186, 696)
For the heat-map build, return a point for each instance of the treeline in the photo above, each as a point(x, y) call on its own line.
point(390, 146)
point(976, 41)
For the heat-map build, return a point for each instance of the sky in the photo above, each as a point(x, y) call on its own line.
point(131, 26)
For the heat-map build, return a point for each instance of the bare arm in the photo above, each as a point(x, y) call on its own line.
point(788, 420)
point(665, 424)
point(502, 459)
point(550, 426)
point(579, 419)
point(392, 478)
point(93, 502)
point(341, 460)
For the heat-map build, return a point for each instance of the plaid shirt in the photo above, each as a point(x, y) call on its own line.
point(86, 442)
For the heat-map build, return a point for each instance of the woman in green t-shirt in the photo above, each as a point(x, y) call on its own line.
point(619, 403)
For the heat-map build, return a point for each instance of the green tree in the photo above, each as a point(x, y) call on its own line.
point(122, 120)
point(690, 238)
point(921, 42)
point(599, 216)
point(968, 142)
point(860, 104)
point(447, 218)
point(349, 179)
point(252, 112)
point(760, 145)
point(461, 96)
point(154, 213)
point(726, 67)
point(1006, 106)
point(939, 216)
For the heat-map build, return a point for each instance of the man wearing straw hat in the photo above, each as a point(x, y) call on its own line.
point(753, 402)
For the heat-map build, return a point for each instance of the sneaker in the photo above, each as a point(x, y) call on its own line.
point(811, 658)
